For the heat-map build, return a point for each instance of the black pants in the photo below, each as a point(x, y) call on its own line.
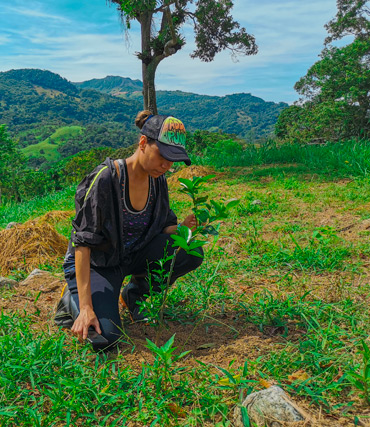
point(106, 282)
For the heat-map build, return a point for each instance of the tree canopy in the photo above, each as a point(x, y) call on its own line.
point(161, 22)
point(335, 101)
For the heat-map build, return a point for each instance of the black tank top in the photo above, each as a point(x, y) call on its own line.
point(135, 223)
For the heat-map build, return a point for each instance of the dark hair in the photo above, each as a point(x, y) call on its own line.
point(142, 117)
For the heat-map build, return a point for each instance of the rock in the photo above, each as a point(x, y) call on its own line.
point(35, 274)
point(12, 224)
point(4, 281)
point(270, 407)
point(256, 202)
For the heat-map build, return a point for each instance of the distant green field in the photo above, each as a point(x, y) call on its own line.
point(48, 148)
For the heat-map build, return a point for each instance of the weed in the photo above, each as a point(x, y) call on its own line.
point(361, 379)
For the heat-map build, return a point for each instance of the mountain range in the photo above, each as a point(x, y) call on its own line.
point(35, 103)
point(242, 114)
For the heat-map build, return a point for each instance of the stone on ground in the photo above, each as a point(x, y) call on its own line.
point(4, 281)
point(271, 407)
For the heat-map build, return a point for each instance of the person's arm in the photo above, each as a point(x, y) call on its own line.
point(87, 316)
point(189, 221)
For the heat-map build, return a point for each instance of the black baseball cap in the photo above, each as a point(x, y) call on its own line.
point(170, 136)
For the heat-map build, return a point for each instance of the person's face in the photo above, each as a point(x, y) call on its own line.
point(153, 163)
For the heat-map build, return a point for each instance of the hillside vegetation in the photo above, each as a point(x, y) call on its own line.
point(49, 147)
point(35, 103)
point(242, 114)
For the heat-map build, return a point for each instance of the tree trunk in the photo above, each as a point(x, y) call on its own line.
point(149, 64)
point(149, 94)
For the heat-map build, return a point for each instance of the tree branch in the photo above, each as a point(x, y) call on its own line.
point(170, 24)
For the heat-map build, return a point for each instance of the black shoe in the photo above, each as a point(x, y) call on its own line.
point(129, 300)
point(66, 311)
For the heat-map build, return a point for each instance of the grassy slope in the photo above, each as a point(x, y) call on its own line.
point(285, 289)
point(50, 144)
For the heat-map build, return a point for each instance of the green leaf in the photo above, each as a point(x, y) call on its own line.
point(186, 183)
point(245, 368)
point(185, 233)
point(208, 177)
point(152, 347)
point(232, 204)
point(203, 215)
point(245, 417)
point(168, 344)
point(201, 199)
point(179, 241)
point(197, 244)
point(209, 229)
point(194, 253)
point(229, 376)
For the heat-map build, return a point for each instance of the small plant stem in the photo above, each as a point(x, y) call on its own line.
point(168, 284)
point(161, 312)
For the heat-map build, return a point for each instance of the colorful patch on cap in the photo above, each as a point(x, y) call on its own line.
point(172, 132)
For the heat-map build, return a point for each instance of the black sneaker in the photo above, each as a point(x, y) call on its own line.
point(129, 301)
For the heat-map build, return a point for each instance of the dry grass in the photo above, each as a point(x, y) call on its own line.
point(188, 173)
point(34, 243)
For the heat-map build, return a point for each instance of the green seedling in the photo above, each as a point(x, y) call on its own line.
point(164, 366)
point(186, 239)
point(361, 379)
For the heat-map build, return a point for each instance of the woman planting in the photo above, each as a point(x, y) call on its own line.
point(122, 227)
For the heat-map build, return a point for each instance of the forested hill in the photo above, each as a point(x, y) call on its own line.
point(245, 115)
point(112, 85)
point(242, 114)
point(33, 103)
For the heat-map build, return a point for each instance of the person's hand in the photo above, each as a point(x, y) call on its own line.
point(85, 319)
point(190, 221)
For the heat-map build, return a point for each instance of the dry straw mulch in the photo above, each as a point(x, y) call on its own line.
point(34, 243)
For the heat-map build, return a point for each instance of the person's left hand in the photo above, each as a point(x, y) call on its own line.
point(191, 222)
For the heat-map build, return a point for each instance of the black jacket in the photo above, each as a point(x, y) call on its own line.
point(99, 215)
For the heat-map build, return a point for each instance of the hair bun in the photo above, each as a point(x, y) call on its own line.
point(142, 117)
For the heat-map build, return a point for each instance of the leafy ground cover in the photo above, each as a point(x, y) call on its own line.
point(281, 298)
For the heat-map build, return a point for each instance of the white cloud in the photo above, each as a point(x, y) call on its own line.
point(35, 13)
point(77, 57)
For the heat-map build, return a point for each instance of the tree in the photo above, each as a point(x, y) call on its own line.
point(335, 101)
point(10, 161)
point(351, 19)
point(17, 181)
point(214, 28)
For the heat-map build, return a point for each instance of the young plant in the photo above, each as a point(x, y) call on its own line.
point(361, 380)
point(163, 367)
point(206, 213)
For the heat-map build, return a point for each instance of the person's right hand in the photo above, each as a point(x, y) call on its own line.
point(85, 319)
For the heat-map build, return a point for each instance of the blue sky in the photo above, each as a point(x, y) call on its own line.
point(81, 40)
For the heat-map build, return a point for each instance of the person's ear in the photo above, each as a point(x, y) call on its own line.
point(143, 141)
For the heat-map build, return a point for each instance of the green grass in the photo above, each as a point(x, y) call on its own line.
point(38, 206)
point(44, 383)
point(347, 158)
point(48, 148)
point(284, 291)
